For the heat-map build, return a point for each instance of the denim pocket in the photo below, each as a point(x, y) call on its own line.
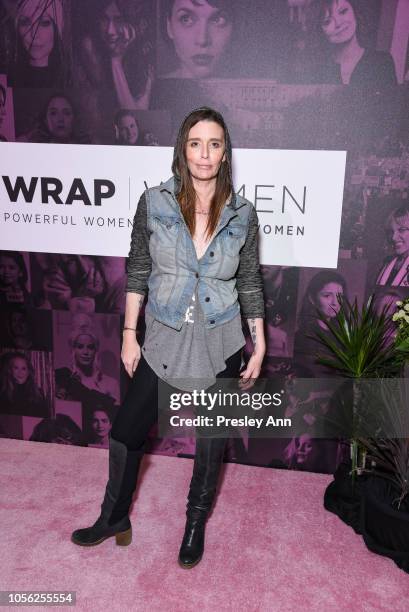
point(163, 241)
point(233, 238)
point(167, 229)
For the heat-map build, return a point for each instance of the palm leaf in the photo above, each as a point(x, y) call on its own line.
point(358, 341)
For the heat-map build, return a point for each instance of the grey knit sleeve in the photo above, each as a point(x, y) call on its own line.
point(139, 262)
point(249, 281)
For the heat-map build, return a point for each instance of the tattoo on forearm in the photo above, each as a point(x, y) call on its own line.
point(253, 332)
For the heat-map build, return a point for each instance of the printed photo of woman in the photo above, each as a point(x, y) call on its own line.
point(26, 328)
point(321, 294)
point(84, 379)
point(346, 58)
point(127, 130)
point(197, 37)
point(59, 121)
point(19, 390)
point(115, 43)
point(13, 280)
point(40, 54)
point(395, 267)
point(307, 453)
point(97, 425)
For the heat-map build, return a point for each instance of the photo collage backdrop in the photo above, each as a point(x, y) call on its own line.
point(286, 74)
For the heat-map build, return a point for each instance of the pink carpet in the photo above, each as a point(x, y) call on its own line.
point(270, 545)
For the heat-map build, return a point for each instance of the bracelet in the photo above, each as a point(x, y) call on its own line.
point(131, 328)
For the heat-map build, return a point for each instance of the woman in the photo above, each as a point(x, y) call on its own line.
point(116, 53)
point(306, 453)
point(395, 268)
point(322, 294)
point(194, 246)
point(13, 280)
point(299, 451)
point(17, 332)
point(98, 427)
point(39, 49)
point(127, 131)
point(200, 33)
point(350, 62)
point(58, 123)
point(19, 393)
point(84, 380)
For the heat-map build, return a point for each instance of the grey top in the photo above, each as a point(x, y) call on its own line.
point(191, 357)
point(249, 282)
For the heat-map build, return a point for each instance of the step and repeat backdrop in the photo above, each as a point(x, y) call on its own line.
point(315, 94)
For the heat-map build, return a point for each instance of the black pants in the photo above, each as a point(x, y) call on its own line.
point(139, 410)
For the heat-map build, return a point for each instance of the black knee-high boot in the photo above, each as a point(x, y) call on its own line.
point(114, 520)
point(206, 470)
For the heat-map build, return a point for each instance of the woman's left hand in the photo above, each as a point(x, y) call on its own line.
point(252, 371)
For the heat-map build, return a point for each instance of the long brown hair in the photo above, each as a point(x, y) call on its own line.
point(186, 194)
point(8, 385)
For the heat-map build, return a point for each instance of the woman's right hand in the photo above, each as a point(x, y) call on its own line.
point(127, 37)
point(131, 352)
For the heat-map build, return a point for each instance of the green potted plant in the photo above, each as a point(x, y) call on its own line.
point(385, 497)
point(358, 345)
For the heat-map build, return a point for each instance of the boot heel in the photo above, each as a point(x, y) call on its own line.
point(124, 538)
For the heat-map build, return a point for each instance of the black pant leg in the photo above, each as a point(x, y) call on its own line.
point(232, 368)
point(139, 410)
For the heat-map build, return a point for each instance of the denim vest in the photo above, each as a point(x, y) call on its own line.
point(176, 270)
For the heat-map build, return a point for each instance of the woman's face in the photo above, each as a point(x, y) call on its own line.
point(327, 301)
point(9, 271)
point(200, 33)
point(339, 22)
point(111, 25)
point(60, 118)
point(37, 37)
point(128, 130)
point(19, 370)
point(205, 150)
point(303, 448)
point(398, 234)
point(101, 425)
point(277, 320)
point(84, 350)
point(19, 324)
